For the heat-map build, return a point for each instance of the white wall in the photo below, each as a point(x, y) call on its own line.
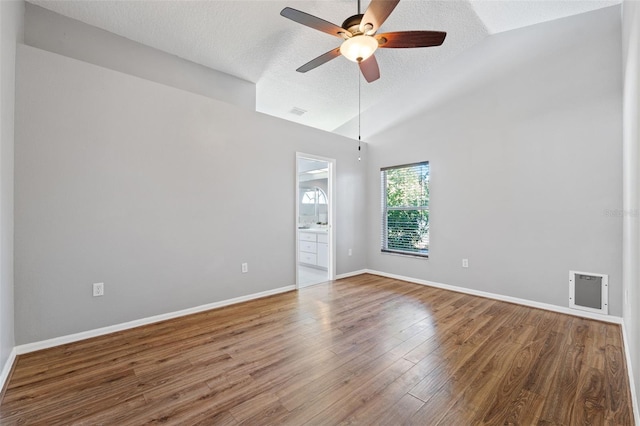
point(11, 31)
point(51, 31)
point(631, 186)
point(525, 164)
point(157, 192)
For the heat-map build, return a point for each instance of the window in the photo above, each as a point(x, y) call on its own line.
point(314, 196)
point(405, 209)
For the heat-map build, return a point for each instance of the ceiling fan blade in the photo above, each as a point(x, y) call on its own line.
point(377, 12)
point(320, 60)
point(402, 39)
point(312, 21)
point(370, 69)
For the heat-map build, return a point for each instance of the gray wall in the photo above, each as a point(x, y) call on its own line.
point(525, 163)
point(631, 186)
point(11, 31)
point(157, 192)
point(57, 33)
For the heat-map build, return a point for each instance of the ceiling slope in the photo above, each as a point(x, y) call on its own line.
point(250, 40)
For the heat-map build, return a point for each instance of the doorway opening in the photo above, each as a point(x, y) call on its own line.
point(315, 260)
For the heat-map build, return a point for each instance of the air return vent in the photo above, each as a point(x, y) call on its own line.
point(297, 111)
point(589, 292)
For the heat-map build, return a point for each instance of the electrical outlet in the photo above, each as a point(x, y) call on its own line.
point(465, 263)
point(350, 252)
point(245, 268)
point(98, 289)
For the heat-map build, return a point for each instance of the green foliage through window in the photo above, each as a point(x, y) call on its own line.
point(405, 209)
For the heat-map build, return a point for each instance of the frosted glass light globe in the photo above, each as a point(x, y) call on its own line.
point(358, 48)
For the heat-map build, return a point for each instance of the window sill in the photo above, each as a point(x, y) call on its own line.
point(396, 253)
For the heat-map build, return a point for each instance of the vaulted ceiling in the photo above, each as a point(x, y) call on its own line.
point(250, 40)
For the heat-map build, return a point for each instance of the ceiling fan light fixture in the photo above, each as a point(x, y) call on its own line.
point(362, 40)
point(359, 48)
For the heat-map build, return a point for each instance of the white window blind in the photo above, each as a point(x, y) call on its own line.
point(405, 209)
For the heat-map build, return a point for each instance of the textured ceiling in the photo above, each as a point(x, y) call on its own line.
point(250, 40)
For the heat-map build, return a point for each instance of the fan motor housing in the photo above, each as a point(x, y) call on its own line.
point(352, 24)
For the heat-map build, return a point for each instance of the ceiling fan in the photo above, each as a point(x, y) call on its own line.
point(360, 38)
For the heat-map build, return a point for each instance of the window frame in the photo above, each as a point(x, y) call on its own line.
point(385, 208)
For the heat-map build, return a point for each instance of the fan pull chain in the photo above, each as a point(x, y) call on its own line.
point(359, 109)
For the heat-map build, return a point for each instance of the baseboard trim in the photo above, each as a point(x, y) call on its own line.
point(57, 341)
point(627, 356)
point(31, 347)
point(6, 371)
point(502, 298)
point(351, 274)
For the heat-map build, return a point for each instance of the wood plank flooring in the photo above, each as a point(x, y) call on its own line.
point(364, 350)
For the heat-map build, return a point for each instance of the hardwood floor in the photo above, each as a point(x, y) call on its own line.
point(363, 350)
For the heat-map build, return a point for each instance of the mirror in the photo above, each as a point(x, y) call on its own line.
point(313, 206)
point(313, 181)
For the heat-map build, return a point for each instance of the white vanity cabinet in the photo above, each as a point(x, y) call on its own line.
point(322, 251)
point(313, 248)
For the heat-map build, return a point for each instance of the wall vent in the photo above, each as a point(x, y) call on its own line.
point(589, 292)
point(297, 111)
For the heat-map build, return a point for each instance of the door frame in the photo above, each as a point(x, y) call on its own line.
point(331, 211)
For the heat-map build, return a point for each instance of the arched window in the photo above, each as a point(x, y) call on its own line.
point(314, 196)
